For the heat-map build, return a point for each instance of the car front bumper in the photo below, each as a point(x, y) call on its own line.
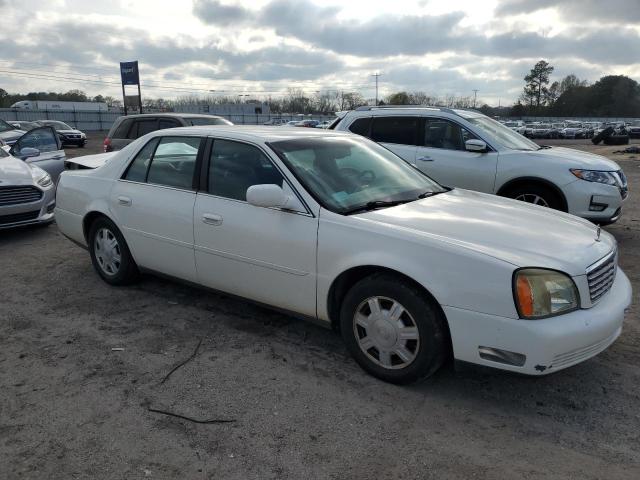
point(547, 345)
point(33, 213)
point(596, 202)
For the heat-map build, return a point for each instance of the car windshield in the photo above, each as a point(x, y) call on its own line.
point(5, 127)
point(207, 121)
point(348, 175)
point(499, 133)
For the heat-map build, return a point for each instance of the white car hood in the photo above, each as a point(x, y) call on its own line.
point(522, 234)
point(14, 171)
point(577, 158)
point(92, 161)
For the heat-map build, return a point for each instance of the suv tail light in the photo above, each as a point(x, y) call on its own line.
point(107, 145)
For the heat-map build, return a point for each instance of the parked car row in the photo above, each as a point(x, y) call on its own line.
point(569, 129)
point(298, 123)
point(382, 225)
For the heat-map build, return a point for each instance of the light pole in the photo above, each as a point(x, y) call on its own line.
point(376, 75)
point(475, 93)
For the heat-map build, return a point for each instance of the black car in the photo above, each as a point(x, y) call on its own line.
point(68, 135)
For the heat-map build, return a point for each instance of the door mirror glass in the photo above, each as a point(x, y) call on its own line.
point(43, 139)
point(28, 152)
point(475, 145)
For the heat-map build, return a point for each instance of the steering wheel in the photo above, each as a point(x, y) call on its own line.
point(367, 173)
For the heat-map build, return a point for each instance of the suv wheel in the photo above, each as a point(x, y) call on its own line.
point(393, 330)
point(538, 195)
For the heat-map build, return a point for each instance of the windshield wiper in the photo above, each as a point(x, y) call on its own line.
point(367, 207)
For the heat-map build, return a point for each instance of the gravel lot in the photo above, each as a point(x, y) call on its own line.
point(72, 407)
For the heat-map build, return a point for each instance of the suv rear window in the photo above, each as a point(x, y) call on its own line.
point(122, 130)
point(400, 130)
point(142, 127)
point(361, 126)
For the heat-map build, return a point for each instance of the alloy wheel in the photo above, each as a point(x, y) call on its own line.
point(532, 198)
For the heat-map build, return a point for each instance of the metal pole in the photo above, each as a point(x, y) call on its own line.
point(475, 93)
point(139, 97)
point(124, 101)
point(376, 75)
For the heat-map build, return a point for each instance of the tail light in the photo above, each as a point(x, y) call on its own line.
point(107, 145)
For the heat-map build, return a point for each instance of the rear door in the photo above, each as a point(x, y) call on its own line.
point(443, 157)
point(44, 139)
point(153, 204)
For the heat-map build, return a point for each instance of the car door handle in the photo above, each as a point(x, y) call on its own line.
point(425, 159)
point(211, 219)
point(124, 201)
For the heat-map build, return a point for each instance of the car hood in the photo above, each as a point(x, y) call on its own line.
point(522, 234)
point(11, 135)
point(92, 161)
point(64, 132)
point(14, 171)
point(576, 158)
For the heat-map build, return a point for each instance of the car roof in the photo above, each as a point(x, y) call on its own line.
point(252, 132)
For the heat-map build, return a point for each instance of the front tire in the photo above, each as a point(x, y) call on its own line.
point(110, 254)
point(393, 329)
point(538, 195)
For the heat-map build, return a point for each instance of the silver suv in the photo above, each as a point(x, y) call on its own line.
point(466, 149)
point(126, 129)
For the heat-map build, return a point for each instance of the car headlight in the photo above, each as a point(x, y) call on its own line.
point(541, 293)
point(595, 176)
point(41, 177)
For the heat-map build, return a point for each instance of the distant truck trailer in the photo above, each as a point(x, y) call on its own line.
point(61, 106)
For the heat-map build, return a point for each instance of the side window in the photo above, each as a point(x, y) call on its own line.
point(361, 126)
point(137, 171)
point(400, 130)
point(43, 138)
point(236, 166)
point(122, 130)
point(167, 123)
point(441, 133)
point(174, 162)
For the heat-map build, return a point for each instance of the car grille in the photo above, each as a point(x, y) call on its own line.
point(601, 275)
point(579, 354)
point(19, 217)
point(18, 195)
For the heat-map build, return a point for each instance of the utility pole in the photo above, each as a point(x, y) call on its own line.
point(376, 75)
point(475, 94)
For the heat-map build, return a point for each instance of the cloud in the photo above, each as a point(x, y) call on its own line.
point(614, 11)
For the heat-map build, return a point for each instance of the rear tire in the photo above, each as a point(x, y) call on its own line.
point(393, 330)
point(538, 195)
point(110, 254)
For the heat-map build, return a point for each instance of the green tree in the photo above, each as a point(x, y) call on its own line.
point(536, 91)
point(571, 81)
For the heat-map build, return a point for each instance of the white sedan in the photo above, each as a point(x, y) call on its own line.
point(335, 228)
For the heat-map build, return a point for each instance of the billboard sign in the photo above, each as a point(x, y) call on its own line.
point(129, 73)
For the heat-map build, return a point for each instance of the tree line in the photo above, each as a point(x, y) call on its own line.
point(610, 96)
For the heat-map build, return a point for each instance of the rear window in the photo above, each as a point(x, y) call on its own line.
point(400, 130)
point(122, 130)
point(361, 126)
point(142, 127)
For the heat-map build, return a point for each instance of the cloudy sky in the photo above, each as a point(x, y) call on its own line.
point(261, 47)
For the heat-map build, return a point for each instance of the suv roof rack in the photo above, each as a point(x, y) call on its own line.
point(430, 107)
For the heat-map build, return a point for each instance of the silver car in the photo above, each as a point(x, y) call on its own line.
point(41, 147)
point(27, 191)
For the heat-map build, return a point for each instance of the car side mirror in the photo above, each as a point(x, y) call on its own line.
point(28, 152)
point(273, 196)
point(474, 145)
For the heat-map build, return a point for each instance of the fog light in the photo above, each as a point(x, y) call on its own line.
point(597, 207)
point(51, 207)
point(502, 356)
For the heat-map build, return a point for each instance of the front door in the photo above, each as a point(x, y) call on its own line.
point(51, 156)
point(444, 158)
point(153, 205)
point(265, 254)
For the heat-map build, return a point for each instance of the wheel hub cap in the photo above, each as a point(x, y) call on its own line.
point(386, 332)
point(107, 251)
